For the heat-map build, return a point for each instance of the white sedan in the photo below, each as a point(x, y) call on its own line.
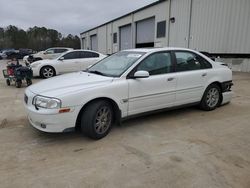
point(70, 61)
point(126, 84)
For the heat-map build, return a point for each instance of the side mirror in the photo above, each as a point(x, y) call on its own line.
point(141, 74)
point(61, 58)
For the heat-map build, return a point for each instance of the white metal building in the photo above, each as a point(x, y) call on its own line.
point(215, 26)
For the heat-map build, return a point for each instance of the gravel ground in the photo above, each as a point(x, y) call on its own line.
point(181, 148)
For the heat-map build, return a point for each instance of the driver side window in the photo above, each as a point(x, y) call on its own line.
point(49, 51)
point(158, 63)
point(71, 55)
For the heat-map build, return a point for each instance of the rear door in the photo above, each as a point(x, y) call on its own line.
point(157, 91)
point(192, 72)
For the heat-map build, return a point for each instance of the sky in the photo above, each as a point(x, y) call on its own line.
point(66, 16)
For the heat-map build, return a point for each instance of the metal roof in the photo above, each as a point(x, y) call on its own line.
point(137, 10)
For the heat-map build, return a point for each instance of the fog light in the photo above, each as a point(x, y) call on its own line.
point(43, 126)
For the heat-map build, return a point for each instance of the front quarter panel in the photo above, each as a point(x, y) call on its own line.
point(117, 91)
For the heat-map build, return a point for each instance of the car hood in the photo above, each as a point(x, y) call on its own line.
point(68, 83)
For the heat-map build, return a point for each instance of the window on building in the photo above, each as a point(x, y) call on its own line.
point(115, 38)
point(161, 29)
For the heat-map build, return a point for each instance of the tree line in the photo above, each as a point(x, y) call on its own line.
point(35, 38)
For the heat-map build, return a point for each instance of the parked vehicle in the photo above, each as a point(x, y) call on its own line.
point(71, 61)
point(16, 73)
point(126, 84)
point(5, 53)
point(50, 53)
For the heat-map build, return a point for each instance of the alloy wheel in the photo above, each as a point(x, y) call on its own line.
point(103, 120)
point(213, 97)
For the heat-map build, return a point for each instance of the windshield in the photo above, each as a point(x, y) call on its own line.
point(115, 65)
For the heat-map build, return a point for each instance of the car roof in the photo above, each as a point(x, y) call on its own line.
point(60, 48)
point(148, 50)
point(81, 50)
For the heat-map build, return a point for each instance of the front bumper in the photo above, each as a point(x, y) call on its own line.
point(50, 120)
point(36, 71)
point(52, 123)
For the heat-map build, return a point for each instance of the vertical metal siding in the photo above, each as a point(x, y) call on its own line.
point(220, 26)
point(216, 26)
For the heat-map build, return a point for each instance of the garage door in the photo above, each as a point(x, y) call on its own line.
point(93, 40)
point(145, 33)
point(83, 43)
point(125, 37)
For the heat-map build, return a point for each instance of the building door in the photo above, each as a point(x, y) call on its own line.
point(93, 42)
point(126, 37)
point(83, 43)
point(145, 33)
point(179, 23)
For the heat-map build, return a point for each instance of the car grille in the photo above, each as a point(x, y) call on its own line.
point(25, 98)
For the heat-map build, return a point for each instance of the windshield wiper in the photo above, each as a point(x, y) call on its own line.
point(97, 72)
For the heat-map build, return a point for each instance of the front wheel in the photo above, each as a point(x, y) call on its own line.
point(97, 119)
point(211, 98)
point(47, 72)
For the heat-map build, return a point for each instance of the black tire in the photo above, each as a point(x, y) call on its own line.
point(47, 72)
point(212, 98)
point(18, 84)
point(29, 82)
point(91, 126)
point(8, 82)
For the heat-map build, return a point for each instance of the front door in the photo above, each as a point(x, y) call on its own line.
point(157, 91)
point(69, 63)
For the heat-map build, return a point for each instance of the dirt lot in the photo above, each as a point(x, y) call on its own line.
point(182, 148)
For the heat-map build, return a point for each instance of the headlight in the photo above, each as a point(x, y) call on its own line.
point(46, 102)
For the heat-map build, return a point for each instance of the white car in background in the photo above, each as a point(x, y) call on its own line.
point(126, 84)
point(50, 53)
point(70, 61)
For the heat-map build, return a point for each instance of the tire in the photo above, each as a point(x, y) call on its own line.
point(47, 72)
point(97, 119)
point(29, 82)
point(18, 84)
point(8, 82)
point(212, 98)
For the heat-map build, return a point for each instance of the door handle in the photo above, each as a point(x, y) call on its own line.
point(170, 79)
point(204, 74)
